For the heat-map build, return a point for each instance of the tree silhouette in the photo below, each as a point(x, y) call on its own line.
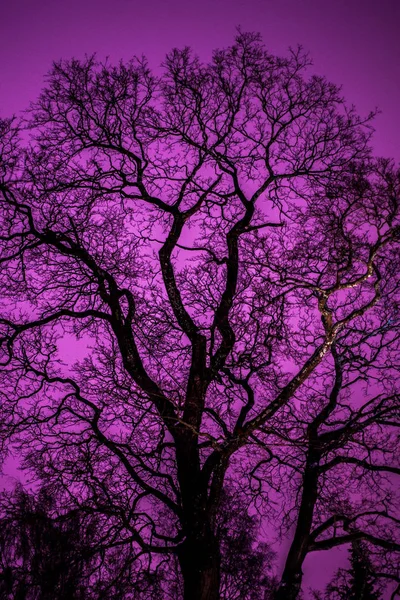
point(217, 249)
point(45, 554)
point(39, 558)
point(359, 581)
point(362, 579)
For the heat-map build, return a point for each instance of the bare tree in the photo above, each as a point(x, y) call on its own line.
point(344, 428)
point(220, 245)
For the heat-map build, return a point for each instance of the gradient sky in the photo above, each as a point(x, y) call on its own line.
point(353, 42)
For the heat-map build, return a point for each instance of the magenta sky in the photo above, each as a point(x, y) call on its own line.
point(353, 42)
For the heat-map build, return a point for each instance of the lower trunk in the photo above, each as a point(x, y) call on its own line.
point(290, 586)
point(200, 567)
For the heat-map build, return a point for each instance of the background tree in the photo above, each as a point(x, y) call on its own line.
point(362, 579)
point(39, 559)
point(50, 554)
point(359, 581)
point(219, 246)
point(246, 561)
point(45, 554)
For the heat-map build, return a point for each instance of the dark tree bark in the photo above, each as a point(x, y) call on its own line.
point(199, 559)
point(290, 584)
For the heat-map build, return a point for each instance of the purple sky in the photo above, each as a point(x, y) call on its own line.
point(353, 42)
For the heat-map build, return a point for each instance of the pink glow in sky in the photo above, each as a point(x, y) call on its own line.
point(355, 43)
point(352, 42)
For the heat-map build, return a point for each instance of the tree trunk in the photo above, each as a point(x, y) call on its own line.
point(290, 586)
point(199, 560)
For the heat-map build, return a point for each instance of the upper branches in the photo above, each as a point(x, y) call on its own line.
point(223, 235)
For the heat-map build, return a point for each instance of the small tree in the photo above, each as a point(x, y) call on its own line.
point(39, 557)
point(362, 580)
point(246, 561)
point(359, 581)
point(46, 555)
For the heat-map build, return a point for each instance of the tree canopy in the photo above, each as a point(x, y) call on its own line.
point(199, 319)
